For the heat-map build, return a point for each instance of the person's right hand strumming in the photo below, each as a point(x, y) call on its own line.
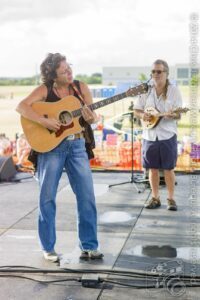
point(51, 124)
point(146, 116)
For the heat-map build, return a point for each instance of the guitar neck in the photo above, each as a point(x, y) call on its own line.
point(159, 115)
point(104, 102)
point(166, 113)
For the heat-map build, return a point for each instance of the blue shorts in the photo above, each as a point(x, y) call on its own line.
point(160, 154)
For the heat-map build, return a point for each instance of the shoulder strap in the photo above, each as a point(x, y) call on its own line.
point(49, 86)
point(74, 85)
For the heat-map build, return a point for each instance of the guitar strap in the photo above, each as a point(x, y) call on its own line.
point(88, 132)
point(78, 92)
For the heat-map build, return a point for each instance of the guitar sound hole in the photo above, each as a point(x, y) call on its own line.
point(65, 117)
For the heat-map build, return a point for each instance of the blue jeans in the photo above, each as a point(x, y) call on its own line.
point(72, 156)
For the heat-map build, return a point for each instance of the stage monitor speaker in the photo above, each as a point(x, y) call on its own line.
point(7, 168)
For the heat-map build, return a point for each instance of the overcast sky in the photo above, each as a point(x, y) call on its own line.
point(93, 33)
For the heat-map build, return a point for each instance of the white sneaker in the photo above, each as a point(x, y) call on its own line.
point(93, 254)
point(51, 256)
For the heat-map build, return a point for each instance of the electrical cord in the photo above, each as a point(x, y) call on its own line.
point(70, 279)
point(42, 281)
point(101, 280)
point(10, 269)
point(138, 274)
point(161, 285)
point(127, 285)
point(19, 266)
point(28, 269)
point(130, 275)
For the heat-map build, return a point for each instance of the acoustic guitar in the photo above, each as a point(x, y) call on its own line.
point(156, 116)
point(68, 112)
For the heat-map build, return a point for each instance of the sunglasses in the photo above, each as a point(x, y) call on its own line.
point(157, 71)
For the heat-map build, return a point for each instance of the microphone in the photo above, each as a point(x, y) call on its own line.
point(149, 83)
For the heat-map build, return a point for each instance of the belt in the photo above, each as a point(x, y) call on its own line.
point(74, 136)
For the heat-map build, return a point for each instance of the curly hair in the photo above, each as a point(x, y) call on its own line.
point(166, 68)
point(49, 65)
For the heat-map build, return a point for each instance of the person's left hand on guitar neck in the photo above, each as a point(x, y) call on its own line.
point(172, 115)
point(89, 116)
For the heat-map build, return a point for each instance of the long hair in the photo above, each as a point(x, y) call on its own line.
point(49, 65)
point(166, 68)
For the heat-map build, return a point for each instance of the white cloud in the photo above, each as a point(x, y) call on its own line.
point(41, 9)
point(93, 33)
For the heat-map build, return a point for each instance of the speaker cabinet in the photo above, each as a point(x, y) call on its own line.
point(7, 168)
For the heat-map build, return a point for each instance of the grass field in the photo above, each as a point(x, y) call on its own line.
point(11, 95)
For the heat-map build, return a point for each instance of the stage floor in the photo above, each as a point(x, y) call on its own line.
point(158, 243)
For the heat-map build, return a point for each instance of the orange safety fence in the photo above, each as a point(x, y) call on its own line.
point(113, 153)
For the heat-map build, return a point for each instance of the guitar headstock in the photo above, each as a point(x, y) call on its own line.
point(137, 90)
point(181, 110)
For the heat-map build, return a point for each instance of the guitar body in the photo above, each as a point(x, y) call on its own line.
point(42, 139)
point(68, 112)
point(155, 119)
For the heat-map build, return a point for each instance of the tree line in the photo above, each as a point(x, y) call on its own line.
point(95, 78)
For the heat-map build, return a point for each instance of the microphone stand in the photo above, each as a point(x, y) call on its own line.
point(132, 179)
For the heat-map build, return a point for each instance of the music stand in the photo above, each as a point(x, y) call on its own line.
point(132, 179)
